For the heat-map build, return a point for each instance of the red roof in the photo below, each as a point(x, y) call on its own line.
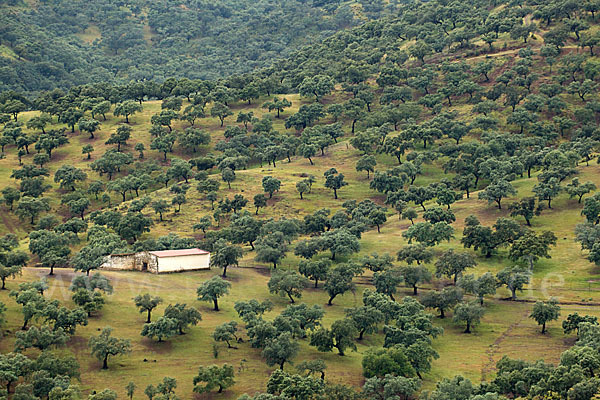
point(177, 253)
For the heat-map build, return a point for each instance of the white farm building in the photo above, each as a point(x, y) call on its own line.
point(159, 262)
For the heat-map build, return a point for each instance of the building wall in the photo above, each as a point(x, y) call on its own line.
point(142, 261)
point(120, 262)
point(183, 263)
point(150, 261)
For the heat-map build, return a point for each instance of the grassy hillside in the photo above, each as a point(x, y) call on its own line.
point(530, 101)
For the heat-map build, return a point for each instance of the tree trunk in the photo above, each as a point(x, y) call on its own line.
point(148, 320)
point(530, 260)
point(105, 362)
point(415, 290)
point(330, 302)
point(216, 305)
point(468, 330)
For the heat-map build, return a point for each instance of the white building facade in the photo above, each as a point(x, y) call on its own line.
point(157, 262)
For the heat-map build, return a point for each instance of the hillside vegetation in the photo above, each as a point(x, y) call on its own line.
point(61, 44)
point(407, 209)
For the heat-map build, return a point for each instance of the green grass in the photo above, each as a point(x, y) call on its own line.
point(7, 52)
point(182, 355)
point(90, 34)
point(505, 329)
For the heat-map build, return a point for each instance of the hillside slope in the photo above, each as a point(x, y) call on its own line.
point(60, 44)
point(446, 125)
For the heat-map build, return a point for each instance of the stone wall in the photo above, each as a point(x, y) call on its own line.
point(151, 260)
point(120, 262)
point(141, 261)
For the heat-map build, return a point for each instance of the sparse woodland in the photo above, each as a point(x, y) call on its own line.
point(400, 199)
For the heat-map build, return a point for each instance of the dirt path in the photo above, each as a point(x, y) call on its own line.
point(490, 366)
point(8, 223)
